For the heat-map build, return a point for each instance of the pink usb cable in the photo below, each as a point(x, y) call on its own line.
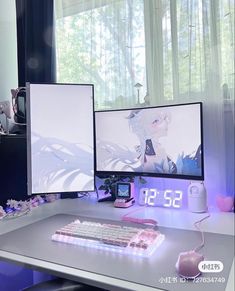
point(128, 218)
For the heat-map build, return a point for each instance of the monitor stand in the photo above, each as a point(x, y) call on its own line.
point(71, 195)
point(108, 198)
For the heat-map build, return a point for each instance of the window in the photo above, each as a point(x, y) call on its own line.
point(104, 45)
point(180, 47)
point(170, 51)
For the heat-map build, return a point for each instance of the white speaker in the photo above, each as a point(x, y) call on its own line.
point(197, 197)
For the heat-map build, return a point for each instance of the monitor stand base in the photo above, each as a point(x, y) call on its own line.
point(109, 198)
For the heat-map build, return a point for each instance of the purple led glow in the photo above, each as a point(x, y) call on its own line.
point(115, 249)
point(123, 239)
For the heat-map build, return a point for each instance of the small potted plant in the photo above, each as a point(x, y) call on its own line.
point(108, 185)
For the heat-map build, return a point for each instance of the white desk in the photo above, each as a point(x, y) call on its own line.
point(222, 223)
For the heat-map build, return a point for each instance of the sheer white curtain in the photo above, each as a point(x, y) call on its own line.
point(102, 42)
point(190, 57)
point(178, 51)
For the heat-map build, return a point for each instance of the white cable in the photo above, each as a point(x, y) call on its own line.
point(202, 234)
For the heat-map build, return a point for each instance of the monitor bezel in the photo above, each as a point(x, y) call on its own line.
point(151, 174)
point(28, 138)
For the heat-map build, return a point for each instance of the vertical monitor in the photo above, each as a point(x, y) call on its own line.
point(164, 141)
point(60, 138)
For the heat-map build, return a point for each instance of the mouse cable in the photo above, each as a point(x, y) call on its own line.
point(128, 218)
point(202, 234)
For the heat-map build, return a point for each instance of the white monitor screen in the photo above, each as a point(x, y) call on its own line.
point(60, 129)
point(164, 141)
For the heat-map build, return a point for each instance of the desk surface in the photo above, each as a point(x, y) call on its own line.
point(222, 223)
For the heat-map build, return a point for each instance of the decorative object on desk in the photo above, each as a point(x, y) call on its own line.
point(24, 205)
point(124, 195)
point(154, 197)
point(109, 185)
point(38, 200)
point(225, 203)
point(52, 197)
point(16, 208)
point(16, 213)
point(197, 197)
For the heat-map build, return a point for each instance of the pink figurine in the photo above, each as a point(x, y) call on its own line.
point(225, 203)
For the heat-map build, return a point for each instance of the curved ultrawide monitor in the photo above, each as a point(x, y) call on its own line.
point(164, 141)
point(60, 138)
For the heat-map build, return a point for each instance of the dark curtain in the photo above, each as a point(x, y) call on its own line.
point(35, 41)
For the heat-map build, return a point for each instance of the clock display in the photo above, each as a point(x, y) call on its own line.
point(167, 198)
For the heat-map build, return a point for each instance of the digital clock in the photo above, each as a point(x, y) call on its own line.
point(167, 198)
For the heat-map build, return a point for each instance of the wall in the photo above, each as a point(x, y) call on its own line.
point(8, 49)
point(8, 80)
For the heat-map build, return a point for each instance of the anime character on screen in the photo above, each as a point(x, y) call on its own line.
point(190, 164)
point(150, 126)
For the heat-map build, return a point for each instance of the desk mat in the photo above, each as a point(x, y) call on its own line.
point(158, 271)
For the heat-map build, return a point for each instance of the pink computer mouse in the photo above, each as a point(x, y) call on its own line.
point(187, 264)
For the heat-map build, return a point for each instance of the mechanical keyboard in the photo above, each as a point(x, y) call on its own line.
point(124, 239)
